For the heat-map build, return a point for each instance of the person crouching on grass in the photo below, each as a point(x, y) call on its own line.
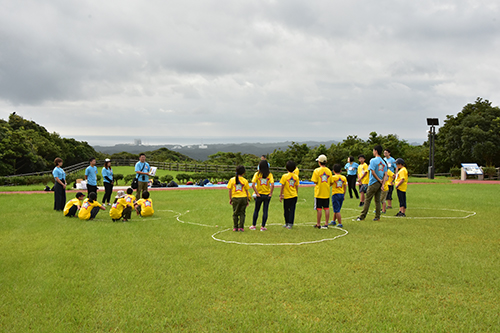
point(144, 206)
point(120, 208)
point(339, 183)
point(90, 207)
point(73, 205)
point(239, 198)
point(289, 193)
point(401, 185)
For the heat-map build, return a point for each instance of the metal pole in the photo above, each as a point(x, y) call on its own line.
point(433, 149)
point(429, 170)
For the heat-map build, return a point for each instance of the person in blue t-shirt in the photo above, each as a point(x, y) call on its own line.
point(391, 165)
point(142, 174)
point(352, 174)
point(378, 176)
point(59, 185)
point(107, 180)
point(91, 176)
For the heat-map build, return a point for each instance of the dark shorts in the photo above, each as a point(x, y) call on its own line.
point(402, 198)
point(363, 188)
point(320, 203)
point(389, 194)
point(337, 201)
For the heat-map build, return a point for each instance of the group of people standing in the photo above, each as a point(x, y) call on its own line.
point(376, 180)
point(123, 204)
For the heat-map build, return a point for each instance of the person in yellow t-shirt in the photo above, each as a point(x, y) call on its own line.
point(239, 197)
point(339, 186)
point(363, 179)
point(385, 190)
point(90, 207)
point(296, 171)
point(401, 185)
point(289, 192)
point(120, 208)
point(144, 206)
point(73, 205)
point(263, 187)
point(130, 197)
point(322, 177)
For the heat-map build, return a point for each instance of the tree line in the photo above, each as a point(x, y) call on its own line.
point(472, 136)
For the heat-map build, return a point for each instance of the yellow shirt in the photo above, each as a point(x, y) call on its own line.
point(84, 213)
point(238, 190)
point(129, 198)
point(322, 177)
point(117, 208)
point(290, 183)
point(146, 207)
point(389, 181)
point(362, 168)
point(339, 184)
point(402, 174)
point(71, 203)
point(296, 171)
point(263, 185)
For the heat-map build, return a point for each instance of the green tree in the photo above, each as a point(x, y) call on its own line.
point(471, 136)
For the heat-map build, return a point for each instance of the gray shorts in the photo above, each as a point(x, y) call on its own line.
point(363, 188)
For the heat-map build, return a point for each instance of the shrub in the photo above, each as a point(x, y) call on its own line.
point(167, 178)
point(490, 171)
point(129, 178)
point(456, 172)
point(117, 177)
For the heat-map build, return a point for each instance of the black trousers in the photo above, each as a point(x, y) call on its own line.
point(351, 183)
point(59, 196)
point(108, 191)
point(289, 210)
point(263, 199)
point(90, 189)
point(72, 211)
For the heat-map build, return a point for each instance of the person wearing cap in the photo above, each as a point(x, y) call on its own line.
point(73, 205)
point(120, 208)
point(401, 185)
point(322, 177)
point(107, 179)
point(378, 177)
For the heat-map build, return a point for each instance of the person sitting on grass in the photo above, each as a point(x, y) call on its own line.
point(120, 208)
point(401, 185)
point(239, 198)
point(90, 207)
point(73, 205)
point(339, 185)
point(144, 206)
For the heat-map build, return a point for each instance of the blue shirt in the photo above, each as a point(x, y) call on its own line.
point(144, 167)
point(378, 165)
point(354, 167)
point(59, 173)
point(107, 173)
point(91, 173)
point(391, 163)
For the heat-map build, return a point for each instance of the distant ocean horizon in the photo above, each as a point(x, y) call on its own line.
point(102, 140)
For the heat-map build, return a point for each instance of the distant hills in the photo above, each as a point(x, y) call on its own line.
point(201, 152)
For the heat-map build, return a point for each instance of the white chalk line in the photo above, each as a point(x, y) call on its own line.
point(186, 222)
point(470, 214)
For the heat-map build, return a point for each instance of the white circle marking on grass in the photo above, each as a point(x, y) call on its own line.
point(469, 214)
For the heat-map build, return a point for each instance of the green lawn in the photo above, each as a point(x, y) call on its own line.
point(434, 271)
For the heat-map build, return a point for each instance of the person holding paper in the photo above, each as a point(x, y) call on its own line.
point(142, 170)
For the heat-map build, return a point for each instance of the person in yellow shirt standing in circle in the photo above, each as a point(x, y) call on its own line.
point(322, 177)
point(339, 185)
point(239, 197)
point(363, 179)
point(263, 187)
point(289, 193)
point(401, 185)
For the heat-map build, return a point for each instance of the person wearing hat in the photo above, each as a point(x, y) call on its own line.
point(120, 208)
point(401, 185)
point(322, 177)
point(107, 179)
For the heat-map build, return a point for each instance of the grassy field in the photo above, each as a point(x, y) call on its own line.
point(435, 271)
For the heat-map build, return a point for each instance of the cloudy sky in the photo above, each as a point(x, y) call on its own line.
point(258, 70)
